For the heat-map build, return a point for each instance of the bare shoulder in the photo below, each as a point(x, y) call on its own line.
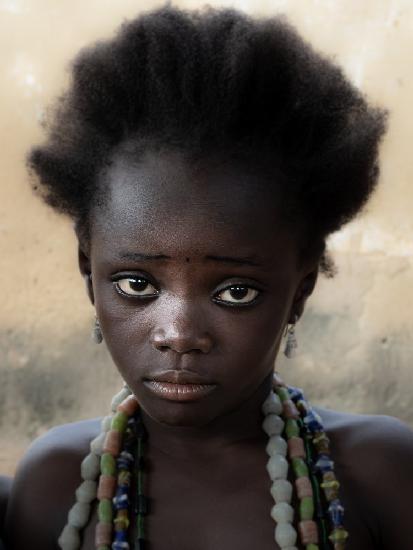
point(380, 438)
point(44, 485)
point(373, 457)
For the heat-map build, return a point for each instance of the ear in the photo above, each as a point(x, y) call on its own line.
point(85, 270)
point(304, 290)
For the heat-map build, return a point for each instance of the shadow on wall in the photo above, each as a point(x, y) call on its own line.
point(44, 386)
point(372, 376)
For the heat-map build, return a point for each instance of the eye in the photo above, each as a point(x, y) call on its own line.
point(237, 294)
point(135, 286)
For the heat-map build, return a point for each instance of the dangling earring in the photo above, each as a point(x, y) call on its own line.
point(97, 335)
point(291, 345)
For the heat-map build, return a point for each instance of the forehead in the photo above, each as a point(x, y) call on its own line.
point(164, 200)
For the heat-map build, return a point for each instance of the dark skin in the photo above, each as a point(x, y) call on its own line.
point(208, 484)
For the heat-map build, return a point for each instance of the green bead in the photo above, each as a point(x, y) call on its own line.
point(291, 428)
point(107, 465)
point(140, 482)
point(119, 422)
point(140, 523)
point(300, 467)
point(306, 508)
point(283, 393)
point(105, 511)
point(312, 547)
point(338, 535)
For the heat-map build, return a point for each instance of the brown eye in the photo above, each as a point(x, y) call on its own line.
point(238, 294)
point(135, 286)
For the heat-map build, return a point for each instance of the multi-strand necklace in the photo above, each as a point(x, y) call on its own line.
point(299, 466)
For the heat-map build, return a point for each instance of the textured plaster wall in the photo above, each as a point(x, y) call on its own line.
point(356, 337)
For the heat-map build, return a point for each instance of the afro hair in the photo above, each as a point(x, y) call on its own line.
point(215, 78)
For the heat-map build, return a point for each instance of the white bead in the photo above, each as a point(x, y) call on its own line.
point(79, 515)
point(285, 535)
point(290, 548)
point(86, 492)
point(106, 423)
point(96, 445)
point(69, 538)
point(282, 513)
point(276, 445)
point(277, 467)
point(119, 397)
point(90, 467)
point(282, 490)
point(272, 404)
point(273, 425)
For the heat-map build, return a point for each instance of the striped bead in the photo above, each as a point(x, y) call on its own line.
point(308, 532)
point(103, 534)
point(303, 487)
point(129, 406)
point(112, 443)
point(296, 447)
point(107, 487)
point(107, 465)
point(290, 410)
point(119, 421)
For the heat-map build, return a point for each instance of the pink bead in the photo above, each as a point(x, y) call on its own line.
point(129, 405)
point(303, 487)
point(290, 410)
point(107, 487)
point(296, 447)
point(103, 534)
point(113, 442)
point(308, 532)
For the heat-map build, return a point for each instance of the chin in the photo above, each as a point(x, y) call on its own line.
point(183, 415)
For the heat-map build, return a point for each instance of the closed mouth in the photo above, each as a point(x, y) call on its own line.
point(179, 386)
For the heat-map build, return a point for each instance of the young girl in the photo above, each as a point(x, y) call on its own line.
point(204, 158)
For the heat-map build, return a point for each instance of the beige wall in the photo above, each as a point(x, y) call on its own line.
point(356, 338)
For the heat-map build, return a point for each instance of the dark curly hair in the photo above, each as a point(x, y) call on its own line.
point(216, 80)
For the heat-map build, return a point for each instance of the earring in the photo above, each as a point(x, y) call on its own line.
point(97, 335)
point(291, 345)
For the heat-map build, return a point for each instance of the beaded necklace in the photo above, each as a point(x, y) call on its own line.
point(116, 458)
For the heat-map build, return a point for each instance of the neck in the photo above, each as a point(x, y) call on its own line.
point(237, 428)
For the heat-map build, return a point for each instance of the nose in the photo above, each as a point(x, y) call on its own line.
point(182, 331)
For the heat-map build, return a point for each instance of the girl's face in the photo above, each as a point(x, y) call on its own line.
point(194, 280)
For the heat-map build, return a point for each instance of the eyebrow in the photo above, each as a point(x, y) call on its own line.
point(232, 260)
point(139, 257)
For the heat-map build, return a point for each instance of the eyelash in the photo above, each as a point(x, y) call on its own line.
point(219, 301)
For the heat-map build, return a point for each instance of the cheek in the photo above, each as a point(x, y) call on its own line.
point(252, 342)
point(125, 328)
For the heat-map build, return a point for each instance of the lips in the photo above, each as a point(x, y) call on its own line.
point(182, 386)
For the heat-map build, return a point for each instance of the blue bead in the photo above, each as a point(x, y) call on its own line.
point(121, 491)
point(121, 502)
point(324, 464)
point(296, 393)
point(313, 421)
point(121, 545)
point(336, 513)
point(126, 456)
point(121, 536)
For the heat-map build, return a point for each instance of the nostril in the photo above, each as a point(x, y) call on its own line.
point(180, 344)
